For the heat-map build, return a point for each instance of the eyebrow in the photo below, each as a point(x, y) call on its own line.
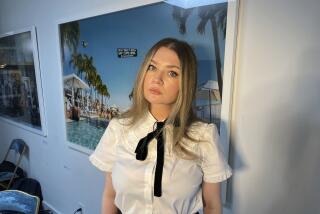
point(170, 66)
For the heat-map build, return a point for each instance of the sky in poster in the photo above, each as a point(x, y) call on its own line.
point(138, 28)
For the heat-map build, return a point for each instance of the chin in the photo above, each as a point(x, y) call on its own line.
point(156, 100)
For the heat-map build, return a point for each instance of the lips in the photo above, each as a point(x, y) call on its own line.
point(155, 91)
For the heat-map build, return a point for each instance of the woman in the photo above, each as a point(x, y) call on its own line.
point(157, 156)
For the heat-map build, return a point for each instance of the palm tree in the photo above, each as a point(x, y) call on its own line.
point(90, 77)
point(99, 90)
point(97, 84)
point(70, 35)
point(87, 64)
point(84, 64)
point(78, 63)
point(104, 93)
point(181, 15)
point(217, 16)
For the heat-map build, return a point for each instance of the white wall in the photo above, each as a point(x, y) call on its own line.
point(275, 118)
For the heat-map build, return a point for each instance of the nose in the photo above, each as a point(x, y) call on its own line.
point(158, 77)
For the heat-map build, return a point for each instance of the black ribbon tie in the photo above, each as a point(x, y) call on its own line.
point(142, 152)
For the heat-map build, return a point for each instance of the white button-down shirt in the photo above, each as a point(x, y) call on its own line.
point(133, 180)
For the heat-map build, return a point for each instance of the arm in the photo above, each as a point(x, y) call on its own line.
point(211, 198)
point(109, 194)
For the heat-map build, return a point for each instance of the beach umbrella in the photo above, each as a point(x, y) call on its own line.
point(209, 91)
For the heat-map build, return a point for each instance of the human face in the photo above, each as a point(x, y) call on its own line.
point(161, 81)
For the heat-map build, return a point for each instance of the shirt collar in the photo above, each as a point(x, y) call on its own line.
point(148, 121)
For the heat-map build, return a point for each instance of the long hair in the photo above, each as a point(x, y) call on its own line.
point(182, 114)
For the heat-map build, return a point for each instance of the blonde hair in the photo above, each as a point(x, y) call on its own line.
point(182, 115)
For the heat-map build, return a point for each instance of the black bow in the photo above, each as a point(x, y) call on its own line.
point(142, 152)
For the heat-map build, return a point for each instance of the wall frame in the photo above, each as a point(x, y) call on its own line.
point(88, 43)
point(21, 96)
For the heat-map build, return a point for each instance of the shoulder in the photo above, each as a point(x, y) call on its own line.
point(199, 137)
point(201, 130)
point(205, 138)
point(124, 128)
point(118, 123)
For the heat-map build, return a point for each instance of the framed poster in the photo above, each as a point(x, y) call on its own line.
point(21, 101)
point(102, 54)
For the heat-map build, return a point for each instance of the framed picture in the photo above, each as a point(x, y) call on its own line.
point(21, 101)
point(102, 54)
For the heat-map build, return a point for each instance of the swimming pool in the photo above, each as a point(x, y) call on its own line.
point(86, 132)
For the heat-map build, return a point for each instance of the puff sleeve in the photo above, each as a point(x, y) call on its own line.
point(104, 155)
point(213, 163)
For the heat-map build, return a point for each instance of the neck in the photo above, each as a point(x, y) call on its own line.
point(160, 112)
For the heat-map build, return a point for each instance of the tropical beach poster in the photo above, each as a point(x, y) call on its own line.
point(101, 56)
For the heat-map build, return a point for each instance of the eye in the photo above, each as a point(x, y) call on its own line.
point(173, 74)
point(151, 68)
